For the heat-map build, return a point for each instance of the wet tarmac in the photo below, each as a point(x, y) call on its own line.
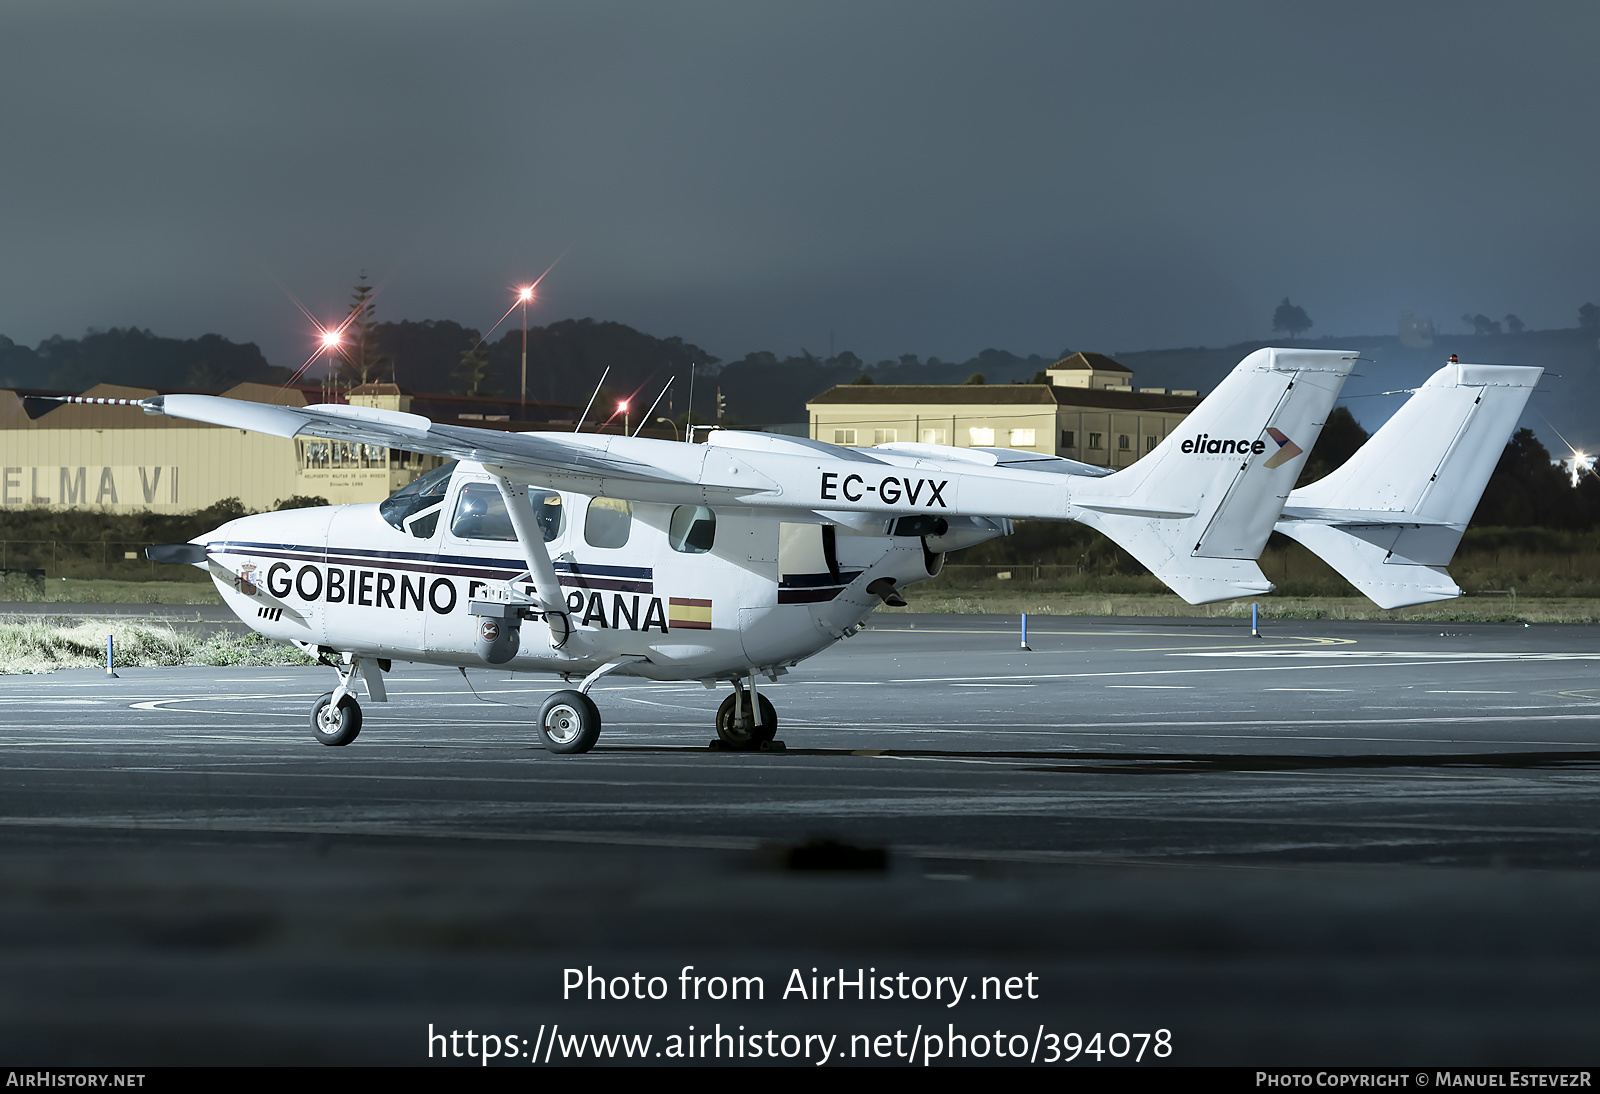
point(1340, 842)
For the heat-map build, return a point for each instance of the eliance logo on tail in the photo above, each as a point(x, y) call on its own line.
point(1205, 443)
point(1287, 449)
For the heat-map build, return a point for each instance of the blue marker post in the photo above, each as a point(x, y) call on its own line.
point(1255, 630)
point(111, 656)
point(1025, 633)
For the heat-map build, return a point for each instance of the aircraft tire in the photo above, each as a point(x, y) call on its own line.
point(336, 729)
point(749, 738)
point(569, 723)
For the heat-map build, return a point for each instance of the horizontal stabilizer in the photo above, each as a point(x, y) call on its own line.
point(1357, 516)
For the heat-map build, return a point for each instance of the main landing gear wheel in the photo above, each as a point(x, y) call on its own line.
point(746, 738)
point(336, 725)
point(569, 723)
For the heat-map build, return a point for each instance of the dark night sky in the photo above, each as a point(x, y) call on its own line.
point(916, 177)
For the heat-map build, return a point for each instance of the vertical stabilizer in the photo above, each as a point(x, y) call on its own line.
point(1197, 510)
point(1390, 518)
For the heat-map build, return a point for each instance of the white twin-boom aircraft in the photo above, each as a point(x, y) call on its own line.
point(584, 555)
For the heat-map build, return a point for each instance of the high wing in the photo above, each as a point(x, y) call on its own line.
point(1196, 511)
point(1389, 519)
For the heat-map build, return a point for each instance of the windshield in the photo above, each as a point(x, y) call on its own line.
point(408, 507)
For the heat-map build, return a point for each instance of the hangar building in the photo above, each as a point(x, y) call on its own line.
point(116, 459)
point(1089, 411)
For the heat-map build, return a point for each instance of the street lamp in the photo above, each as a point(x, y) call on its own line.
point(524, 295)
point(622, 408)
point(330, 343)
point(673, 424)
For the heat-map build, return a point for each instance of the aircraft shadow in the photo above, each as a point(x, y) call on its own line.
point(1200, 763)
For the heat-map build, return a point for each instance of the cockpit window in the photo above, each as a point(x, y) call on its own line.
point(415, 508)
point(481, 513)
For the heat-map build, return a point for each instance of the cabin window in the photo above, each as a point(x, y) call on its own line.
point(844, 436)
point(1124, 442)
point(934, 436)
point(1097, 440)
point(1150, 442)
point(693, 529)
point(982, 437)
point(548, 513)
point(608, 522)
point(1022, 438)
point(481, 513)
point(885, 436)
point(415, 508)
point(1066, 438)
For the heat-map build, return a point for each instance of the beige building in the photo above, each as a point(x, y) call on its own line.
point(1089, 411)
point(117, 459)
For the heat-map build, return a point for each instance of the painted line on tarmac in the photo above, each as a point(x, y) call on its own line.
point(1444, 657)
point(1348, 664)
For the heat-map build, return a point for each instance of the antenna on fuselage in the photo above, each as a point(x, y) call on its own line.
point(653, 406)
point(592, 398)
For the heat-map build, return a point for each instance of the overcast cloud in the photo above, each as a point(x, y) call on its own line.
point(914, 177)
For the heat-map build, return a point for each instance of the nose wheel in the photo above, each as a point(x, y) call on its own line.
point(336, 723)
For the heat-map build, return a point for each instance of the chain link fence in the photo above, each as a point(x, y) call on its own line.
point(46, 559)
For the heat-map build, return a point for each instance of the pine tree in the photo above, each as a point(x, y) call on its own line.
point(360, 360)
point(472, 372)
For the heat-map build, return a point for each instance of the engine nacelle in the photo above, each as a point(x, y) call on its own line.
point(966, 532)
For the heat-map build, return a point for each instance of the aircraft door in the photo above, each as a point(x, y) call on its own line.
point(376, 582)
point(478, 546)
point(807, 574)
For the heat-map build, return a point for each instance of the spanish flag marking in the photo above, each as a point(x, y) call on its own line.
point(686, 614)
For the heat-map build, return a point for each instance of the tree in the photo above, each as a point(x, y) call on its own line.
point(1292, 318)
point(863, 379)
point(1515, 325)
point(1341, 436)
point(472, 372)
point(1481, 324)
point(360, 359)
point(1527, 489)
point(1589, 317)
point(977, 378)
point(299, 501)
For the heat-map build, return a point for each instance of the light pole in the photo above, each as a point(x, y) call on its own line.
point(623, 406)
point(524, 295)
point(673, 424)
point(330, 344)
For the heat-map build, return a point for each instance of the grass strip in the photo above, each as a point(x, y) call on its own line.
point(44, 644)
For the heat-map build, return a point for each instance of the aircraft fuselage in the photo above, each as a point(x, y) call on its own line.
point(764, 595)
